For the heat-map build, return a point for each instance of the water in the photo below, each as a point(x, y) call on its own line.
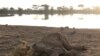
point(75, 20)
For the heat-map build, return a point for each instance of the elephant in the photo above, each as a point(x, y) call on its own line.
point(54, 44)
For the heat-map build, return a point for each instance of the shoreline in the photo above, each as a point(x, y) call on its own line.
point(66, 27)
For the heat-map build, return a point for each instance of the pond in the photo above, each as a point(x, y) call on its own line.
point(75, 20)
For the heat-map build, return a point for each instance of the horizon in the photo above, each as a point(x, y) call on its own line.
point(28, 3)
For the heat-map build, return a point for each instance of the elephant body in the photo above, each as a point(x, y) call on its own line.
point(53, 44)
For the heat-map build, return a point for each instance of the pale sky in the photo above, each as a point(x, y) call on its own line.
point(29, 3)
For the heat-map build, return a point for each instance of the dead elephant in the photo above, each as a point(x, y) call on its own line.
point(54, 44)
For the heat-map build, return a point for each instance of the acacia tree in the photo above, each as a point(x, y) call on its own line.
point(81, 6)
point(35, 7)
point(20, 10)
point(12, 9)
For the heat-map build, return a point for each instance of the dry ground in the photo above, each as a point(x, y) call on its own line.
point(10, 36)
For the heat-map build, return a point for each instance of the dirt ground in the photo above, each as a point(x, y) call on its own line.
point(10, 36)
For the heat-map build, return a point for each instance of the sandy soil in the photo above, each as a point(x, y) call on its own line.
point(10, 36)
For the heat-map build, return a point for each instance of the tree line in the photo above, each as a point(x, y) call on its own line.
point(46, 9)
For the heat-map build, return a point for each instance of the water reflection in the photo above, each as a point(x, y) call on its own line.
point(6, 15)
point(75, 20)
point(81, 18)
point(20, 14)
point(46, 16)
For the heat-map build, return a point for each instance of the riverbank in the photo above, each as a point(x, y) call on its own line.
point(10, 36)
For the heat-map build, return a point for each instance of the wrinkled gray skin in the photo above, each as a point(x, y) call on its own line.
point(53, 44)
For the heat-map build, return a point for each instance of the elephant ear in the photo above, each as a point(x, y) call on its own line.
point(64, 41)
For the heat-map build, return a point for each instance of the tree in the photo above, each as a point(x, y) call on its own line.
point(80, 5)
point(35, 7)
point(20, 10)
point(11, 9)
point(45, 7)
point(4, 11)
point(71, 7)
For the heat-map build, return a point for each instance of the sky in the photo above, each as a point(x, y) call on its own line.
point(55, 3)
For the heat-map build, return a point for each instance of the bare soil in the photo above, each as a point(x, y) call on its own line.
point(10, 36)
